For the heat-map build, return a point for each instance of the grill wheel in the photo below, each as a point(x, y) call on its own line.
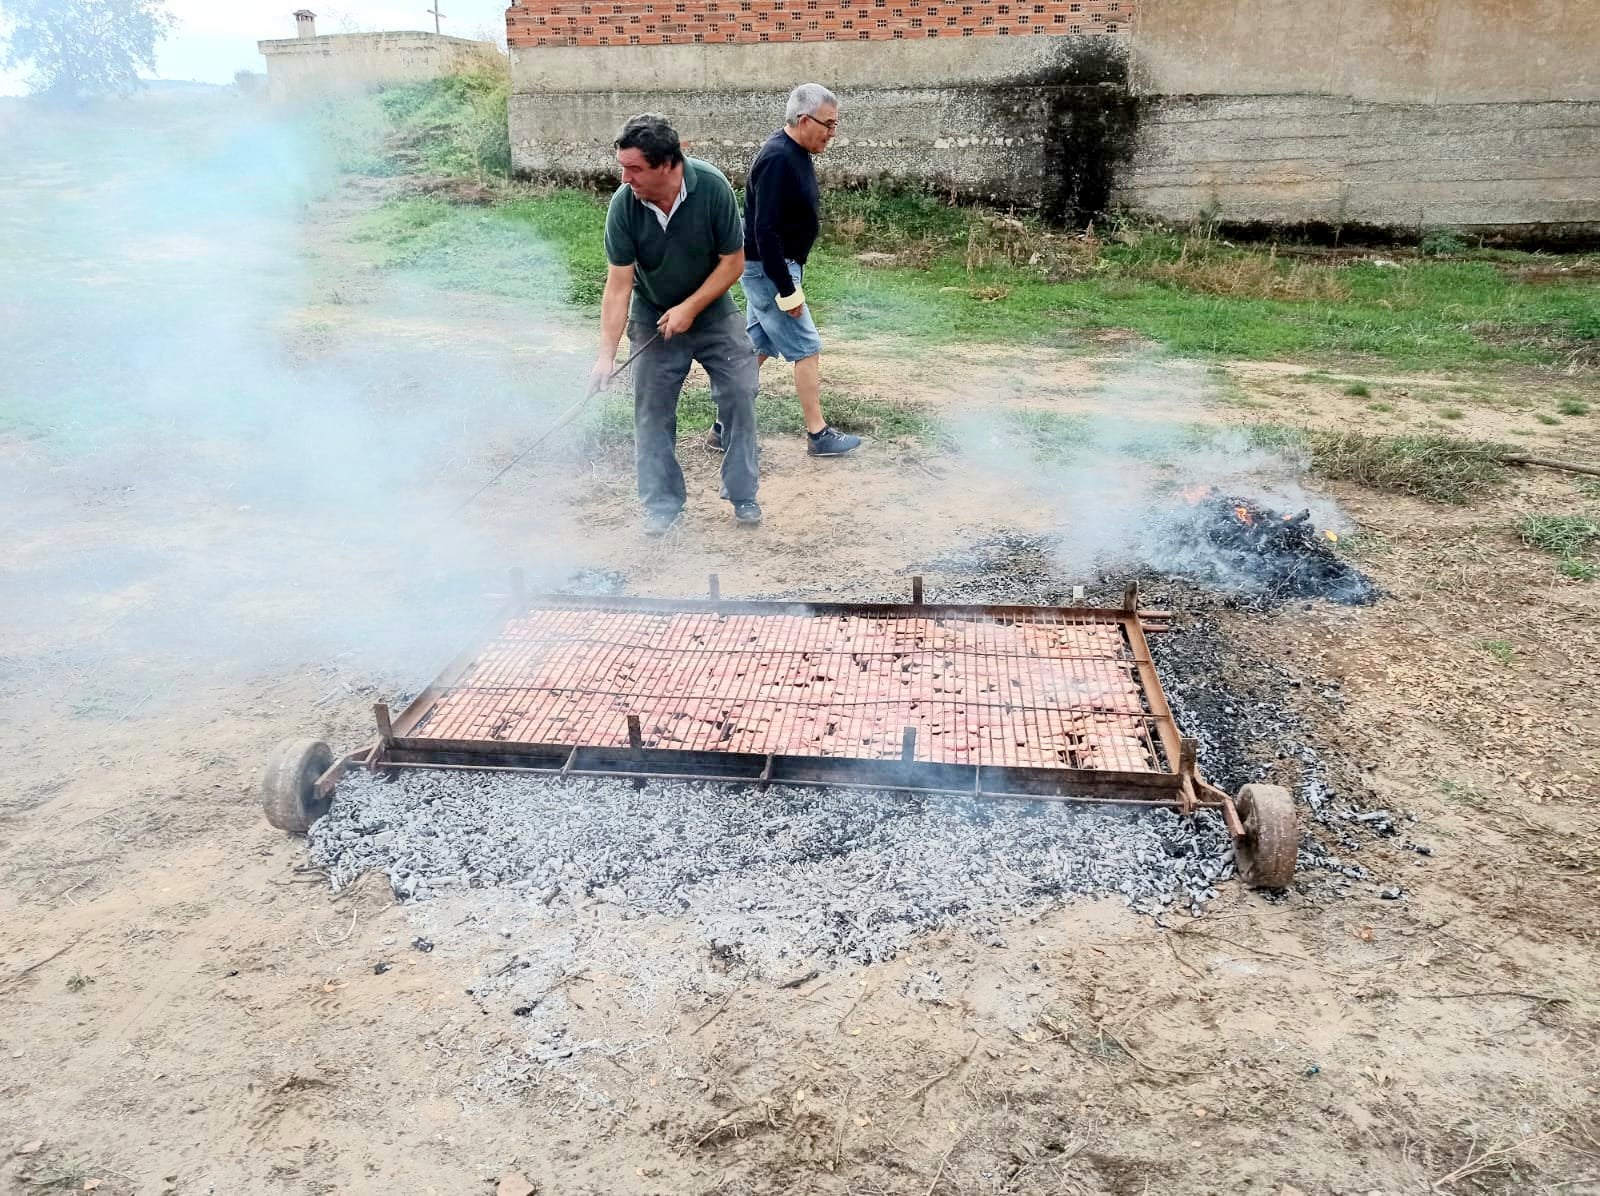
point(288, 784)
point(1265, 855)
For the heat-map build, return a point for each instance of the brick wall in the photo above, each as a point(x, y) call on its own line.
point(532, 23)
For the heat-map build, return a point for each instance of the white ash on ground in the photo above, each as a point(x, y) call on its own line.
point(768, 878)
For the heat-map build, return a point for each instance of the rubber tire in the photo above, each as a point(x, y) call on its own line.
point(288, 784)
point(1265, 856)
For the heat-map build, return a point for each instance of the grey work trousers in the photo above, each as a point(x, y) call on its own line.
point(723, 347)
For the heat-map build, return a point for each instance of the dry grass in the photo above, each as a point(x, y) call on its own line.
point(1248, 276)
point(1439, 468)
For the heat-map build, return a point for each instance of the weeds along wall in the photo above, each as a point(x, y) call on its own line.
point(1395, 114)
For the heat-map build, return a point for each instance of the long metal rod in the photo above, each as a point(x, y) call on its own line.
point(566, 417)
point(1164, 802)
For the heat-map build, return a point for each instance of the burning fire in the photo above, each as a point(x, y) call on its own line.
point(1244, 515)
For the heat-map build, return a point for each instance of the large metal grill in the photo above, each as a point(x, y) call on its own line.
point(984, 700)
point(1038, 689)
point(1056, 703)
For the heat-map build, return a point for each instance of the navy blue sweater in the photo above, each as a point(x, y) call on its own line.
point(780, 208)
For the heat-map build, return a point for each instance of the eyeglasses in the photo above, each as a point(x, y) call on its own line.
point(831, 125)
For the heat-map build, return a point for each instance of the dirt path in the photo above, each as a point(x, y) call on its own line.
point(186, 1012)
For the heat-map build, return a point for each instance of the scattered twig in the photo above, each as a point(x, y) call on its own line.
point(854, 1005)
point(1100, 1028)
point(134, 708)
point(565, 980)
point(923, 1088)
point(838, 1138)
point(317, 934)
point(799, 980)
point(37, 964)
point(1303, 960)
point(726, 1001)
point(1484, 1161)
point(944, 1159)
point(67, 893)
point(1181, 961)
point(1542, 998)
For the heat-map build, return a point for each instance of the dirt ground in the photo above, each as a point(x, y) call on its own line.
point(185, 1009)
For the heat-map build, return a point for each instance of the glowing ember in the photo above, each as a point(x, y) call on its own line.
point(1258, 549)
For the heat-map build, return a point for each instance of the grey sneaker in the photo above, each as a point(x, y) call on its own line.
point(747, 512)
point(830, 442)
point(714, 439)
point(659, 523)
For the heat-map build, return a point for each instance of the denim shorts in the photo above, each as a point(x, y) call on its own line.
point(776, 333)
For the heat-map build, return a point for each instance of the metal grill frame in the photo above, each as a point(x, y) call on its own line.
point(1173, 781)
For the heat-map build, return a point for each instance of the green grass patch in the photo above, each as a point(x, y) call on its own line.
point(1564, 535)
point(1452, 413)
point(1572, 538)
point(1358, 390)
point(962, 274)
point(1501, 650)
point(535, 250)
point(1572, 407)
point(1547, 420)
point(611, 423)
point(1384, 408)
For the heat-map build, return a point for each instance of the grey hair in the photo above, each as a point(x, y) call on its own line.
point(805, 100)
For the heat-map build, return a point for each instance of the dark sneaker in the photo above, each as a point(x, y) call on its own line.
point(748, 511)
point(714, 439)
point(830, 442)
point(659, 523)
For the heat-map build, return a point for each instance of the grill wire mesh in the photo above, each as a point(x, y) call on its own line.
point(1040, 690)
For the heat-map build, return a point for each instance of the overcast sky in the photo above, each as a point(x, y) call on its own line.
point(215, 39)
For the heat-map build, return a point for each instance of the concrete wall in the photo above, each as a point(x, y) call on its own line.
point(305, 67)
point(1297, 159)
point(1013, 119)
point(1389, 51)
point(1403, 114)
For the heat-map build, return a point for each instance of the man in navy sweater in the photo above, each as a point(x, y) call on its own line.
point(780, 227)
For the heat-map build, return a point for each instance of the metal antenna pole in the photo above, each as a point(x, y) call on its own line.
point(436, 15)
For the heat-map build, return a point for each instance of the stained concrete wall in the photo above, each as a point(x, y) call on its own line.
point(991, 128)
point(1403, 114)
point(941, 136)
point(1389, 51)
point(1295, 159)
point(305, 67)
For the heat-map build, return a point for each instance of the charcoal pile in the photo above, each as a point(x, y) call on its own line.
point(778, 876)
point(1231, 541)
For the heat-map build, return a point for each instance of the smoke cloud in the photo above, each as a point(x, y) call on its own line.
point(1113, 466)
point(229, 447)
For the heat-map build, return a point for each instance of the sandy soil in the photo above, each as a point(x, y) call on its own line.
point(186, 1010)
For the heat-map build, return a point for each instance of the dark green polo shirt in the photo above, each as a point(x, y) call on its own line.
point(670, 263)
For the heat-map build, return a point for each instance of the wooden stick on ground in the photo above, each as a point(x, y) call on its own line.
point(1551, 463)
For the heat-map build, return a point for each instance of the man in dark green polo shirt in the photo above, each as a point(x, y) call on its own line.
point(674, 241)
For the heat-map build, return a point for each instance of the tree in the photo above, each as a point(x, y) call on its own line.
point(77, 49)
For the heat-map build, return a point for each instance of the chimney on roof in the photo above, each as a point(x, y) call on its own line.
point(305, 23)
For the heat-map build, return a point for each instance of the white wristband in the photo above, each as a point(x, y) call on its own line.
point(793, 301)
